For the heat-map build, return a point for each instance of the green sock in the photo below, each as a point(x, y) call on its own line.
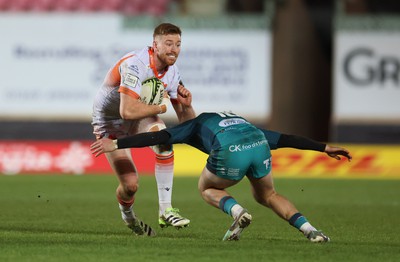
point(226, 203)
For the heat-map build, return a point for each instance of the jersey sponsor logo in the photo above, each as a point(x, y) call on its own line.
point(231, 172)
point(134, 68)
point(235, 148)
point(231, 122)
point(240, 147)
point(130, 80)
point(267, 163)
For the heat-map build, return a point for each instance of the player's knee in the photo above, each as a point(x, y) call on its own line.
point(263, 201)
point(205, 193)
point(129, 185)
point(131, 188)
point(270, 198)
point(127, 189)
point(265, 198)
point(127, 175)
point(162, 150)
point(156, 127)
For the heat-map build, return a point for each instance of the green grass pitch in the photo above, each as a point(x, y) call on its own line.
point(76, 218)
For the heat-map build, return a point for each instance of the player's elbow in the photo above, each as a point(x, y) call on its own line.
point(126, 114)
point(133, 113)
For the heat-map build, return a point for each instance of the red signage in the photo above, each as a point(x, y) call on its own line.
point(71, 157)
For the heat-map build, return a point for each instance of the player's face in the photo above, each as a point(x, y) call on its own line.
point(167, 48)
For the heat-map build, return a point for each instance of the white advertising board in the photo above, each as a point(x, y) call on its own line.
point(53, 64)
point(367, 76)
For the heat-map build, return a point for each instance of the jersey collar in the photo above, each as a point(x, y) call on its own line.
point(153, 64)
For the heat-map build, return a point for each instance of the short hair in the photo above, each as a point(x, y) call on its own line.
point(167, 29)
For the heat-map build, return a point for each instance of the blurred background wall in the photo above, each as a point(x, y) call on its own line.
point(324, 69)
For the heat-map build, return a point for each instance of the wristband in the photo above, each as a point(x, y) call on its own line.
point(163, 105)
point(162, 109)
point(115, 141)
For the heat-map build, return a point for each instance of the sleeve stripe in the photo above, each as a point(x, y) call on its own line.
point(129, 92)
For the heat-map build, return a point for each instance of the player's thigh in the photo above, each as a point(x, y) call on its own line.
point(210, 180)
point(122, 164)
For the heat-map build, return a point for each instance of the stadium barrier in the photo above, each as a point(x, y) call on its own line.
point(74, 157)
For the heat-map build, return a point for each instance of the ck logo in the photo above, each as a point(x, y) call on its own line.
point(234, 148)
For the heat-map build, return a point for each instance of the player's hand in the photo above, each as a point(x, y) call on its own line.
point(102, 146)
point(184, 96)
point(336, 152)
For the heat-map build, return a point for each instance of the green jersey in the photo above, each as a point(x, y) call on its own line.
point(235, 147)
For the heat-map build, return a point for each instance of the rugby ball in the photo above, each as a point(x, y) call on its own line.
point(152, 91)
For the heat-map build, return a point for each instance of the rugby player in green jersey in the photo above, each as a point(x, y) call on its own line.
point(235, 149)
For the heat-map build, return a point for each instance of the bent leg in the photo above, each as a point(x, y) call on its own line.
point(212, 189)
point(265, 194)
point(122, 164)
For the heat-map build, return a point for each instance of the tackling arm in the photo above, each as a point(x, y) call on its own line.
point(309, 144)
point(143, 139)
point(300, 143)
point(278, 140)
point(105, 145)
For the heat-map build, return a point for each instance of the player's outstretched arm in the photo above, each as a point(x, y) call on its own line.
point(106, 145)
point(336, 152)
point(305, 143)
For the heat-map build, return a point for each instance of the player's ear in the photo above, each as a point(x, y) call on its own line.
point(155, 42)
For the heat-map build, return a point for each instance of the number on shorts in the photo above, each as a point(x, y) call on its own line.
point(226, 114)
point(267, 163)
